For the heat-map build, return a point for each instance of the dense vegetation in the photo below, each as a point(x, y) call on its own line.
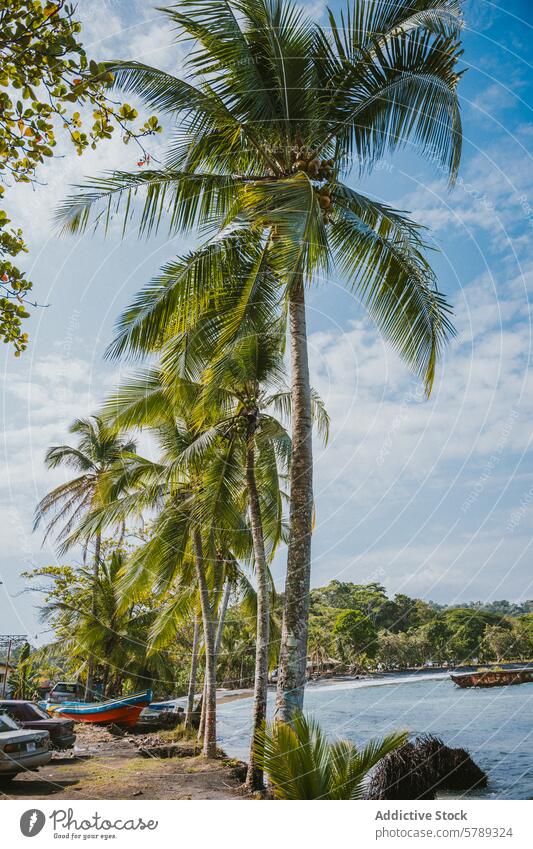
point(353, 628)
point(361, 627)
point(272, 115)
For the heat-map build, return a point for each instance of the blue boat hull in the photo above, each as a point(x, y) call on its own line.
point(119, 711)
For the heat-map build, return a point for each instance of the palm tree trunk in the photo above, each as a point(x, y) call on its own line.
point(201, 725)
point(254, 775)
point(94, 610)
point(293, 651)
point(194, 670)
point(210, 737)
point(105, 679)
point(218, 640)
point(222, 615)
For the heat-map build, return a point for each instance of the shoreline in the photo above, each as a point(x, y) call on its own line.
point(389, 676)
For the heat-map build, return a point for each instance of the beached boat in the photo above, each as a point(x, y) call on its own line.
point(123, 711)
point(493, 677)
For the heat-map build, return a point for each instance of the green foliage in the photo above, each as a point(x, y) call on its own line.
point(514, 641)
point(23, 680)
point(371, 599)
point(14, 286)
point(258, 158)
point(402, 632)
point(88, 622)
point(397, 614)
point(302, 764)
point(46, 82)
point(100, 450)
point(503, 607)
point(354, 635)
point(404, 649)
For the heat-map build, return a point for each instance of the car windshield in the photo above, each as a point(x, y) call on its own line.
point(65, 690)
point(7, 724)
point(24, 711)
point(38, 712)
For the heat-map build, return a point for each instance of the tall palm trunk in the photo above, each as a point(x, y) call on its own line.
point(210, 737)
point(222, 616)
point(105, 680)
point(94, 610)
point(254, 775)
point(293, 651)
point(194, 671)
point(218, 639)
point(201, 725)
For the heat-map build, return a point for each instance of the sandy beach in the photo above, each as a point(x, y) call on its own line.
point(103, 766)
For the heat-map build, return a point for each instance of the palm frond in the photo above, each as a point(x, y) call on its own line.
point(182, 199)
point(302, 764)
point(382, 259)
point(178, 297)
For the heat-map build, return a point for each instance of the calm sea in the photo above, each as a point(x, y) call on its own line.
point(495, 725)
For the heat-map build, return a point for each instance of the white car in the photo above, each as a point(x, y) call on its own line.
point(21, 749)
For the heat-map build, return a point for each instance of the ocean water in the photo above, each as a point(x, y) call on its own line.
point(495, 725)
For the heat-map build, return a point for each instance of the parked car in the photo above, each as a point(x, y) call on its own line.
point(30, 715)
point(66, 692)
point(21, 749)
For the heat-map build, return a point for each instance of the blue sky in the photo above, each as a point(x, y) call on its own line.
point(433, 498)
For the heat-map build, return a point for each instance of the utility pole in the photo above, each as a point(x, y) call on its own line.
point(9, 642)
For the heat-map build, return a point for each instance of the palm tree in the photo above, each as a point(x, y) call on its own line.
point(238, 398)
point(302, 764)
point(99, 451)
point(235, 402)
point(22, 680)
point(273, 114)
point(198, 502)
point(91, 621)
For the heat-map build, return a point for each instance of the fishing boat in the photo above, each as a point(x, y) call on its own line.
point(493, 677)
point(124, 711)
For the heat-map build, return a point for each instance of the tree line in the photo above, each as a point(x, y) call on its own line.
point(361, 628)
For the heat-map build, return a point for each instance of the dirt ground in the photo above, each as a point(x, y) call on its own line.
point(102, 766)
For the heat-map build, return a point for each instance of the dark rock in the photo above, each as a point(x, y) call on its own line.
point(417, 770)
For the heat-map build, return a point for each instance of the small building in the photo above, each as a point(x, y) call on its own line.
point(320, 664)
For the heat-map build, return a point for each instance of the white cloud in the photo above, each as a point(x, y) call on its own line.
point(495, 98)
point(395, 483)
point(491, 204)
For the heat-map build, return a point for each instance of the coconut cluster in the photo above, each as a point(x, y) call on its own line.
point(325, 201)
point(320, 170)
point(317, 169)
point(242, 423)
